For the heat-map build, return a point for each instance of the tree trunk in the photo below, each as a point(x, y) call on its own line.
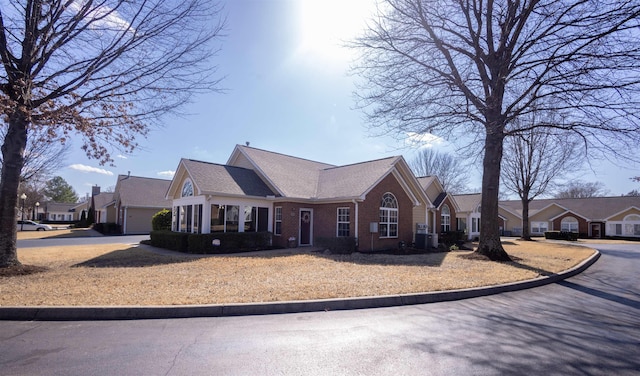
point(13, 158)
point(526, 233)
point(490, 244)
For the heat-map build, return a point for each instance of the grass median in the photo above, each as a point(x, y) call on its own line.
point(120, 274)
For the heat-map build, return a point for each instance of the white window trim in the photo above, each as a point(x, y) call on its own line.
point(536, 225)
point(338, 221)
point(276, 220)
point(445, 226)
point(569, 222)
point(389, 215)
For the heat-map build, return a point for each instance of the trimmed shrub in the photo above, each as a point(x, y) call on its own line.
point(161, 220)
point(561, 235)
point(109, 228)
point(338, 245)
point(175, 241)
point(91, 216)
point(451, 238)
point(230, 242)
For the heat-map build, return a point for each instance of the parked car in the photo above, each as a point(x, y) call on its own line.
point(32, 226)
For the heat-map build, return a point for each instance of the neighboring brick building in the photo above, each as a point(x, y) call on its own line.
point(592, 217)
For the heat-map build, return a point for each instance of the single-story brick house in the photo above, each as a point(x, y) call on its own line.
point(380, 202)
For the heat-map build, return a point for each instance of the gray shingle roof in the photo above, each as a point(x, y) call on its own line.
point(352, 180)
point(211, 178)
point(592, 208)
point(135, 191)
point(468, 202)
point(425, 181)
point(59, 207)
point(440, 199)
point(302, 178)
point(103, 199)
point(293, 177)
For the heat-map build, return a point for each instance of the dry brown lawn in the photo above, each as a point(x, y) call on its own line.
point(119, 274)
point(62, 233)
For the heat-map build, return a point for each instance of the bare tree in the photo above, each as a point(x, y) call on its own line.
point(532, 161)
point(469, 68)
point(451, 173)
point(634, 193)
point(102, 69)
point(582, 189)
point(42, 156)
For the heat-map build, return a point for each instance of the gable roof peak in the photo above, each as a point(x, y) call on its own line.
point(356, 164)
point(244, 147)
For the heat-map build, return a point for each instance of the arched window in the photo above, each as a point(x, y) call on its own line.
point(388, 216)
point(445, 219)
point(187, 189)
point(632, 225)
point(632, 218)
point(569, 224)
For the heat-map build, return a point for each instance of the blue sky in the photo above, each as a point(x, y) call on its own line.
point(288, 91)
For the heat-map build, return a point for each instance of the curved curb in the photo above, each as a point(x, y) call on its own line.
point(86, 313)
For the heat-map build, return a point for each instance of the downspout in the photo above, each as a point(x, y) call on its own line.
point(124, 221)
point(435, 231)
point(355, 203)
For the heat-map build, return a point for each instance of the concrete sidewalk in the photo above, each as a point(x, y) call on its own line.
point(218, 310)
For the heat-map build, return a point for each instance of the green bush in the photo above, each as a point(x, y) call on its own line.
point(175, 241)
point(91, 216)
point(230, 242)
point(561, 235)
point(161, 220)
point(450, 238)
point(338, 245)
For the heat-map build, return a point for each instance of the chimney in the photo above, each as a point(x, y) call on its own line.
point(95, 190)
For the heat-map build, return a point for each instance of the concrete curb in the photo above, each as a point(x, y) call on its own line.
point(84, 313)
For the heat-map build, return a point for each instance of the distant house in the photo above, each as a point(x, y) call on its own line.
point(136, 200)
point(380, 202)
point(103, 204)
point(62, 211)
point(594, 217)
point(443, 209)
point(468, 215)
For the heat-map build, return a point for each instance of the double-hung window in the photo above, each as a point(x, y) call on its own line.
point(445, 219)
point(278, 218)
point(344, 222)
point(538, 227)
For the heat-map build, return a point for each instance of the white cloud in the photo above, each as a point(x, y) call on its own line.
point(423, 140)
point(167, 173)
point(89, 169)
point(102, 16)
point(121, 156)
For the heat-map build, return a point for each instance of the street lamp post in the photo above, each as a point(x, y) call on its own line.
point(37, 206)
point(24, 198)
